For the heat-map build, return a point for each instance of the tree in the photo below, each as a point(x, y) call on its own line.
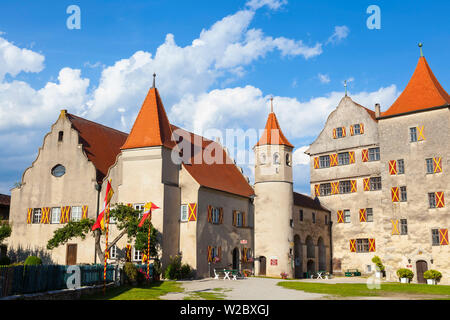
point(127, 220)
point(5, 230)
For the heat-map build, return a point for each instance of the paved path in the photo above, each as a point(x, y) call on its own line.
point(245, 289)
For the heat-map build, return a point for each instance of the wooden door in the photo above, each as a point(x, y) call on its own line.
point(71, 254)
point(262, 266)
point(421, 267)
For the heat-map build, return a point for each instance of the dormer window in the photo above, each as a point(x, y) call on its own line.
point(60, 136)
point(276, 158)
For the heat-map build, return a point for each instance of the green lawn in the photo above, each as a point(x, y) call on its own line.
point(152, 291)
point(361, 289)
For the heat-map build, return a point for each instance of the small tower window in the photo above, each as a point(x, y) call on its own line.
point(262, 158)
point(276, 158)
point(288, 159)
point(60, 136)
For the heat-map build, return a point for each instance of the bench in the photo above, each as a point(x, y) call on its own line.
point(352, 273)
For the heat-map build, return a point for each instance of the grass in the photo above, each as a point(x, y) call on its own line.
point(207, 295)
point(152, 291)
point(361, 289)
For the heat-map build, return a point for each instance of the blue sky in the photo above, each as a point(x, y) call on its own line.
point(251, 51)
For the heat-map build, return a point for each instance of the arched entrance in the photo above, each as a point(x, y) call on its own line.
point(421, 267)
point(310, 248)
point(262, 266)
point(298, 257)
point(322, 255)
point(310, 266)
point(235, 258)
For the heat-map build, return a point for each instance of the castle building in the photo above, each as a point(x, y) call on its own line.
point(209, 213)
point(385, 176)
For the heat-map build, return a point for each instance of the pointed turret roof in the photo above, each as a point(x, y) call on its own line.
point(272, 133)
point(152, 127)
point(422, 92)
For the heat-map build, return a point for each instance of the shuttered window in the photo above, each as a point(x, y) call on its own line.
point(56, 215)
point(356, 129)
point(339, 133)
point(184, 213)
point(401, 166)
point(345, 187)
point(432, 200)
point(362, 245)
point(369, 214)
point(430, 167)
point(347, 217)
point(325, 189)
point(374, 154)
point(403, 195)
point(76, 214)
point(375, 183)
point(403, 226)
point(324, 161)
point(435, 237)
point(413, 134)
point(37, 212)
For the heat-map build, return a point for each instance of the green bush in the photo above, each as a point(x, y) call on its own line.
point(33, 260)
point(378, 263)
point(432, 274)
point(131, 272)
point(5, 261)
point(405, 273)
point(156, 269)
point(186, 271)
point(176, 270)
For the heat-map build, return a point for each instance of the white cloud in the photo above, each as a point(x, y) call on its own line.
point(272, 4)
point(14, 60)
point(299, 157)
point(324, 78)
point(340, 32)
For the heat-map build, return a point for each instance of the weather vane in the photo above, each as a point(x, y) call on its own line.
point(345, 85)
point(271, 104)
point(420, 46)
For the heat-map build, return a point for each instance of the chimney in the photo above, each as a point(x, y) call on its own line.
point(377, 110)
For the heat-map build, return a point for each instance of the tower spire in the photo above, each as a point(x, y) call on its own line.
point(420, 46)
point(345, 85)
point(154, 80)
point(271, 104)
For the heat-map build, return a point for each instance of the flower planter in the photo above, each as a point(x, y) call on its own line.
point(404, 280)
point(431, 281)
point(378, 274)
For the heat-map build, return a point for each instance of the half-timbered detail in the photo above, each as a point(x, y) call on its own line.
point(362, 215)
point(395, 229)
point(437, 165)
point(443, 237)
point(392, 167)
point(395, 194)
point(84, 212)
point(353, 186)
point(45, 215)
point(333, 159)
point(371, 245)
point(192, 207)
point(365, 155)
point(353, 245)
point(440, 203)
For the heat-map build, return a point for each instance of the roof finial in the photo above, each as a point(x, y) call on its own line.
point(271, 104)
point(154, 80)
point(345, 85)
point(420, 46)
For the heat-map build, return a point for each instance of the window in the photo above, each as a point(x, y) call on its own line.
point(276, 158)
point(60, 136)
point(403, 226)
point(403, 196)
point(339, 132)
point(184, 213)
point(435, 237)
point(369, 215)
point(113, 252)
point(375, 183)
point(325, 189)
point(347, 216)
point(369, 268)
point(401, 166)
point(140, 207)
point(58, 171)
point(137, 255)
point(37, 215)
point(413, 134)
point(75, 214)
point(313, 217)
point(362, 245)
point(343, 158)
point(215, 216)
point(430, 168)
point(262, 158)
point(291, 223)
point(56, 214)
point(374, 154)
point(239, 219)
point(344, 187)
point(324, 161)
point(288, 159)
point(432, 200)
point(301, 215)
point(356, 129)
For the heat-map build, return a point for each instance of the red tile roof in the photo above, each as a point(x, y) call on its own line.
point(272, 133)
point(100, 143)
point(302, 200)
point(422, 92)
point(151, 127)
point(5, 200)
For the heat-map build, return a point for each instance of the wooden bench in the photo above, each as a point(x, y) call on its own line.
point(352, 273)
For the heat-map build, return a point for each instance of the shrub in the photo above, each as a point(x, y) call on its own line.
point(156, 269)
point(432, 274)
point(4, 261)
point(33, 260)
point(176, 270)
point(378, 263)
point(185, 271)
point(405, 273)
point(131, 272)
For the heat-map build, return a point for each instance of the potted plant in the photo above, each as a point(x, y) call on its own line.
point(379, 267)
point(432, 276)
point(405, 275)
point(284, 275)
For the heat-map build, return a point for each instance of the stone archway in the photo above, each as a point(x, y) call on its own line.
point(298, 257)
point(310, 267)
point(310, 248)
point(322, 255)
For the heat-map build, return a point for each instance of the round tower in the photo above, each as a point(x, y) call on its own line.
point(273, 201)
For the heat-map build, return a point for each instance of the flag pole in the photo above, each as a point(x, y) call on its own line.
point(148, 246)
point(106, 250)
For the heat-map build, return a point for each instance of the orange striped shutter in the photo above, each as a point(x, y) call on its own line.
point(362, 215)
point(334, 134)
point(316, 163)
point(366, 183)
point(353, 186)
point(443, 237)
point(45, 215)
point(440, 199)
point(361, 128)
point(351, 130)
point(84, 211)
point(65, 214)
point(243, 219)
point(437, 165)
point(220, 215)
point(343, 132)
point(371, 245)
point(209, 213)
point(352, 156)
point(395, 227)
point(352, 245)
point(234, 217)
point(392, 167)
point(333, 160)
point(365, 155)
point(29, 215)
point(420, 135)
point(317, 190)
point(210, 254)
point(335, 187)
point(192, 211)
point(340, 216)
point(395, 194)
